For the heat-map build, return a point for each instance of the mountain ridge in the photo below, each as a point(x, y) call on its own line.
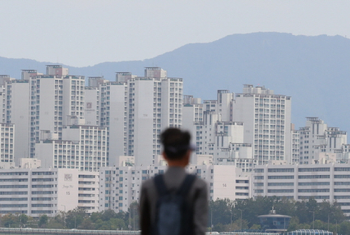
point(313, 70)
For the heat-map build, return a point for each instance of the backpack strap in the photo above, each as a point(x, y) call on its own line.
point(186, 185)
point(160, 185)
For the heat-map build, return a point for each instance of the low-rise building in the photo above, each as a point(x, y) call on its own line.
point(328, 182)
point(47, 191)
point(120, 186)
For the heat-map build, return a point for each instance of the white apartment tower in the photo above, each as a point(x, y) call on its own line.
point(134, 110)
point(153, 103)
point(92, 106)
point(267, 120)
point(82, 147)
point(16, 110)
point(295, 145)
point(316, 137)
point(7, 143)
point(56, 99)
point(192, 114)
point(113, 117)
point(214, 132)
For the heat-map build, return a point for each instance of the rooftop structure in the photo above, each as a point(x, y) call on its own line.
point(274, 222)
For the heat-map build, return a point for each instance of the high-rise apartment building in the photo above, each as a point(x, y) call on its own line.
point(7, 144)
point(15, 109)
point(92, 110)
point(316, 137)
point(192, 114)
point(267, 121)
point(81, 147)
point(113, 117)
point(153, 103)
point(295, 145)
point(57, 100)
point(135, 110)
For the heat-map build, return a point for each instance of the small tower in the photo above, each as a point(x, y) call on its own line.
point(273, 222)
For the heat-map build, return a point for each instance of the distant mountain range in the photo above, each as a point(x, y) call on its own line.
point(314, 70)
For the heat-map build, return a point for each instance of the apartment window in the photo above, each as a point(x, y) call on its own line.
point(341, 183)
point(343, 190)
point(313, 183)
point(342, 176)
point(280, 190)
point(281, 177)
point(242, 194)
point(325, 190)
point(342, 197)
point(280, 184)
point(341, 168)
point(281, 170)
point(313, 169)
point(313, 177)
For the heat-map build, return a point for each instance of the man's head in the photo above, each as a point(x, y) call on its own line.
point(176, 145)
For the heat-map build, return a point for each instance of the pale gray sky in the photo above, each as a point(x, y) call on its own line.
point(83, 32)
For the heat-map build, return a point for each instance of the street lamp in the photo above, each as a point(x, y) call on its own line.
point(313, 219)
point(241, 218)
point(231, 219)
point(328, 222)
point(336, 227)
point(211, 217)
point(64, 216)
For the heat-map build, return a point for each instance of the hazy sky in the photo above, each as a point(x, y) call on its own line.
point(82, 32)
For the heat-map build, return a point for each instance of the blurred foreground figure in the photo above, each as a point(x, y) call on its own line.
point(175, 203)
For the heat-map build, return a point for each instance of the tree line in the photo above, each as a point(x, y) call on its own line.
point(223, 215)
point(226, 215)
point(77, 219)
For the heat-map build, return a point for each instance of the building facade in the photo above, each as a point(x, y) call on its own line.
point(120, 186)
point(83, 148)
point(316, 138)
point(328, 182)
point(47, 191)
point(267, 122)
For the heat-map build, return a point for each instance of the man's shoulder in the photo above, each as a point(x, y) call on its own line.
point(148, 183)
point(200, 183)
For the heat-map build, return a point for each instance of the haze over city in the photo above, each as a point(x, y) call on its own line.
point(82, 33)
point(87, 87)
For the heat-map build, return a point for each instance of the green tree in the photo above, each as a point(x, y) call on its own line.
point(117, 224)
point(293, 224)
point(320, 225)
point(96, 216)
point(87, 223)
point(8, 220)
point(23, 219)
point(108, 214)
point(43, 221)
point(75, 217)
point(54, 224)
point(133, 214)
point(302, 212)
point(220, 211)
point(256, 227)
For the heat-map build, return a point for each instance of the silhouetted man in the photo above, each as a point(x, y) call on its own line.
point(153, 216)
